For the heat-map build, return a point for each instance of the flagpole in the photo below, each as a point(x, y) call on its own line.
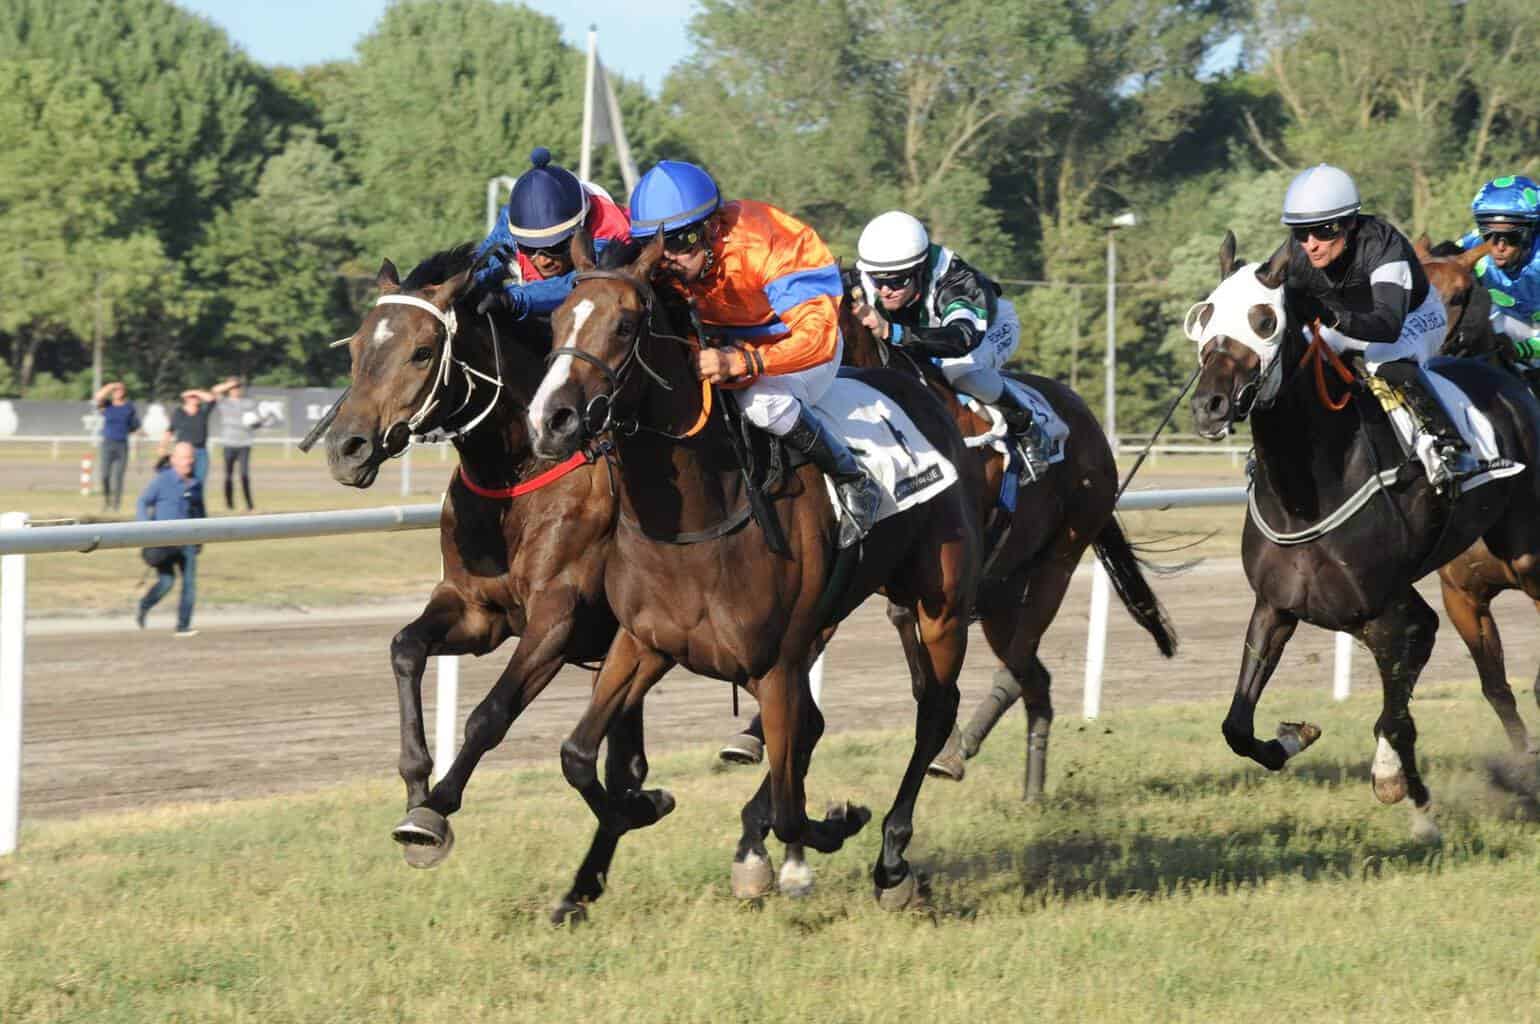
point(585, 163)
point(618, 134)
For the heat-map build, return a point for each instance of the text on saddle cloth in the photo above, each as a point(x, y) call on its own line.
point(1055, 430)
point(907, 467)
point(1471, 422)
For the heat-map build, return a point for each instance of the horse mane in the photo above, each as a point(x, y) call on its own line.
point(441, 266)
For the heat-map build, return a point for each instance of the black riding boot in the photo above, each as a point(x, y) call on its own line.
point(1029, 435)
point(858, 492)
point(1454, 456)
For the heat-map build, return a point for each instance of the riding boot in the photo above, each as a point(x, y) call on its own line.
point(859, 493)
point(1453, 457)
point(1029, 436)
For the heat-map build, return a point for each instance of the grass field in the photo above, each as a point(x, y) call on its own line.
point(383, 566)
point(1162, 879)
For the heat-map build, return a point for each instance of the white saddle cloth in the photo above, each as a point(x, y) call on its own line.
point(1055, 430)
point(1473, 425)
point(907, 467)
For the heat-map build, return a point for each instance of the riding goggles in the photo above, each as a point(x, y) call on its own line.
point(551, 252)
point(893, 282)
point(1323, 232)
point(684, 239)
point(1516, 237)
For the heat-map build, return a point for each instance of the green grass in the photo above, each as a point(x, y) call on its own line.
point(1162, 879)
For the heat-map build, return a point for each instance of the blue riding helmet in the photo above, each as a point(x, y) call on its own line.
point(547, 203)
point(671, 196)
point(1513, 199)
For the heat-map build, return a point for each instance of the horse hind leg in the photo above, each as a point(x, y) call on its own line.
point(1401, 639)
point(1471, 615)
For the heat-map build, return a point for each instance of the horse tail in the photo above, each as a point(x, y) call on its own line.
point(1123, 568)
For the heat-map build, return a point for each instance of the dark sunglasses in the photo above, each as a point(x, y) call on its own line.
point(1517, 239)
point(559, 251)
point(685, 239)
point(893, 282)
point(1323, 232)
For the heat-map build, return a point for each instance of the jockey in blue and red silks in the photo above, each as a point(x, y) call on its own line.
point(766, 282)
point(531, 242)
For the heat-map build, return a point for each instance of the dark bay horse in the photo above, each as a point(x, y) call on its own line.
point(724, 606)
point(529, 566)
point(1036, 550)
point(1339, 527)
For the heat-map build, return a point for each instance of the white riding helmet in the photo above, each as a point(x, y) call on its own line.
point(892, 241)
point(1318, 195)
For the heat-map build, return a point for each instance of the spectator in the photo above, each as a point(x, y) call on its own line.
point(173, 493)
point(238, 418)
point(119, 420)
point(190, 423)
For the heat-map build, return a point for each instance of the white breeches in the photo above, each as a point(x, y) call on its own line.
point(772, 402)
point(978, 372)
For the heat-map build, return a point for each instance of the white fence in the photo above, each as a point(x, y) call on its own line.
point(17, 541)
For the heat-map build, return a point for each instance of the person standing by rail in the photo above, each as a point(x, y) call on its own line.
point(119, 420)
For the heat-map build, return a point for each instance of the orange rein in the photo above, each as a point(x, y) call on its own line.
point(1322, 354)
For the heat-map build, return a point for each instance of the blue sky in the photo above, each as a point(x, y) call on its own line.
point(641, 40)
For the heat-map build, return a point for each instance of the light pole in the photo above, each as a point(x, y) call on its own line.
point(1126, 219)
point(493, 184)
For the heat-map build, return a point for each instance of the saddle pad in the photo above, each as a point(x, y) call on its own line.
point(907, 467)
point(1055, 430)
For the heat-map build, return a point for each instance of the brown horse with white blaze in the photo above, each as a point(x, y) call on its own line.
point(726, 607)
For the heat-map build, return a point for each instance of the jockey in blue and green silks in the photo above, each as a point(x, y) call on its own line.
point(1507, 212)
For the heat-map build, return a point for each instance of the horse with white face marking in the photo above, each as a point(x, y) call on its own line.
point(1339, 526)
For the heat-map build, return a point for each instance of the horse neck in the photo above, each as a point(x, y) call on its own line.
point(1307, 455)
point(496, 450)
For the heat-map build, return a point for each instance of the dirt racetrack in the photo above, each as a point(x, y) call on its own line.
point(263, 703)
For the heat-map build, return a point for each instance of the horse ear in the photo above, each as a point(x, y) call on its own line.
point(582, 249)
point(446, 294)
point(1469, 258)
point(1423, 247)
point(387, 279)
point(1227, 255)
point(649, 258)
point(1272, 275)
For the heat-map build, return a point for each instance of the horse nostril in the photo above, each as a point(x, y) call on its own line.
point(355, 447)
point(1217, 404)
point(563, 421)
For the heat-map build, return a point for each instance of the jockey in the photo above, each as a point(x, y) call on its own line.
point(532, 240)
point(767, 283)
point(1507, 211)
point(1361, 278)
point(925, 298)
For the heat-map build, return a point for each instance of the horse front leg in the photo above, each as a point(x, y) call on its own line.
point(1401, 639)
point(1266, 637)
point(792, 723)
point(425, 831)
point(625, 769)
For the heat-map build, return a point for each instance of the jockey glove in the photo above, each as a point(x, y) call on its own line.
point(1311, 307)
point(510, 298)
point(1529, 348)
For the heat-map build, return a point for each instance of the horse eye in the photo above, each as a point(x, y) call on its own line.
point(625, 328)
point(422, 355)
point(1263, 321)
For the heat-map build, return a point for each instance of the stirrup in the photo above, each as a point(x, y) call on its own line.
point(861, 501)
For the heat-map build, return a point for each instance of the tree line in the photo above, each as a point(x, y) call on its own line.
point(203, 214)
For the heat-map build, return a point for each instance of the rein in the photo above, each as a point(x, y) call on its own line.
point(1322, 354)
point(447, 362)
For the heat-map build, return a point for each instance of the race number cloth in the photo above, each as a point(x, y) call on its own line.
point(1055, 430)
point(907, 467)
point(1473, 425)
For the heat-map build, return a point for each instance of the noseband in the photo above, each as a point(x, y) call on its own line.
point(448, 360)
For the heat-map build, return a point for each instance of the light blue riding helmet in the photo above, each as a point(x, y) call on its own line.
point(670, 196)
point(1513, 199)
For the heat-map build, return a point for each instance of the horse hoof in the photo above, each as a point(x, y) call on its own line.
point(853, 816)
point(949, 763)
point(900, 896)
point(568, 913)
point(796, 879)
point(1424, 828)
point(425, 836)
point(753, 877)
point(1295, 737)
point(744, 748)
point(1390, 789)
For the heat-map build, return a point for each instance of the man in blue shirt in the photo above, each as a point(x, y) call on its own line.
point(119, 419)
point(173, 493)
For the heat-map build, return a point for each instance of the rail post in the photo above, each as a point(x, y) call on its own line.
point(1096, 640)
point(13, 639)
point(445, 716)
point(1342, 670)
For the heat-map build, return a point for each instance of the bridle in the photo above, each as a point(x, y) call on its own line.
point(616, 377)
point(442, 376)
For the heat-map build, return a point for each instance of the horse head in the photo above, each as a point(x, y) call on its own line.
point(597, 335)
point(403, 382)
point(1240, 330)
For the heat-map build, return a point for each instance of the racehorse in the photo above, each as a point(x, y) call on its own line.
point(515, 564)
point(1035, 549)
point(1338, 527)
point(725, 606)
